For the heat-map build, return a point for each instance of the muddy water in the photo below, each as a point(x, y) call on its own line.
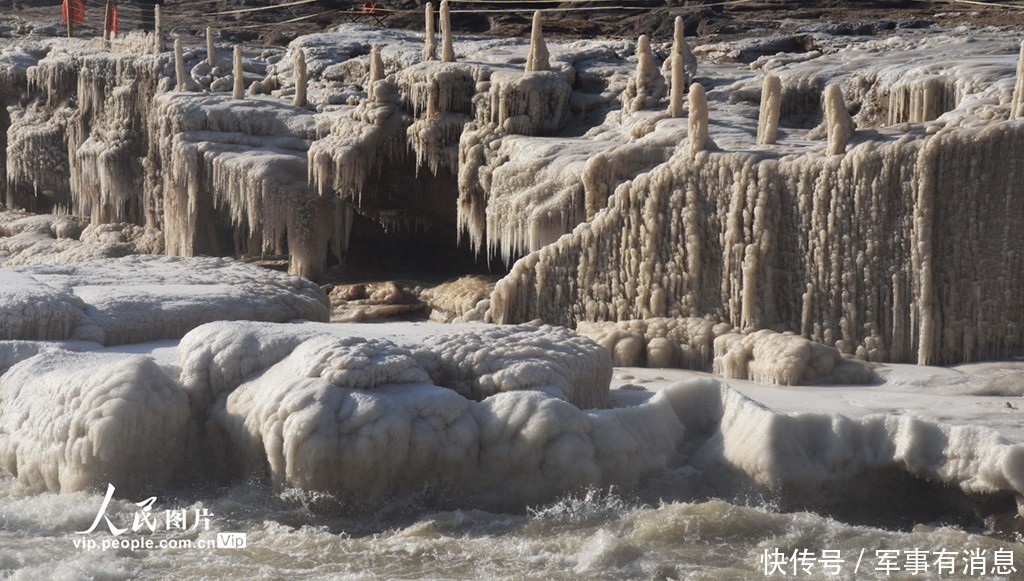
point(595, 534)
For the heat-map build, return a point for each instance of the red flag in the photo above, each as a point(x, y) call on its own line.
point(77, 11)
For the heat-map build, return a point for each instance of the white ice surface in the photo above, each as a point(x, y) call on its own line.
point(145, 298)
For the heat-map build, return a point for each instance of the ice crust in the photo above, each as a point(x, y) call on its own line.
point(145, 298)
point(368, 411)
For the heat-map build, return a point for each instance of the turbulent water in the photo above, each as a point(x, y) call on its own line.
point(594, 534)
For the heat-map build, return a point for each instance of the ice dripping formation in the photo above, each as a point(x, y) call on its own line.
point(715, 231)
point(696, 207)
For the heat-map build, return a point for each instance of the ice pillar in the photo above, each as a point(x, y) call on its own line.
point(771, 105)
point(430, 49)
point(538, 59)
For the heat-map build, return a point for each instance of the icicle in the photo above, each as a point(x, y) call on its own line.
point(239, 88)
point(300, 78)
point(430, 49)
point(211, 53)
point(840, 124)
point(675, 107)
point(158, 30)
point(771, 105)
point(179, 65)
point(538, 59)
point(1017, 104)
point(376, 67)
point(447, 52)
point(698, 119)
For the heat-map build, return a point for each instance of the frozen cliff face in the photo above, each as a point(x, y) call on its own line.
point(144, 298)
point(245, 163)
point(860, 250)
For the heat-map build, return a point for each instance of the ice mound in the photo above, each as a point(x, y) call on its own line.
point(784, 359)
point(73, 421)
point(476, 361)
point(686, 343)
point(27, 239)
point(143, 298)
point(364, 411)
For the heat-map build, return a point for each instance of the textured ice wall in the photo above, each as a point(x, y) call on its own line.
point(855, 251)
point(144, 298)
point(72, 421)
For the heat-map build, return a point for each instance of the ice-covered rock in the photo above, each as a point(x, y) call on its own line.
point(145, 298)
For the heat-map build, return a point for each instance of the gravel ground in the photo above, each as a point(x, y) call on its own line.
point(704, 21)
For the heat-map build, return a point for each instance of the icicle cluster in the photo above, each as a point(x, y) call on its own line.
point(848, 251)
point(922, 99)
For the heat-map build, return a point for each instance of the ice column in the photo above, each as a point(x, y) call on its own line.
point(1017, 104)
point(300, 78)
point(681, 48)
point(430, 50)
point(698, 119)
point(675, 105)
point(840, 124)
point(158, 30)
point(376, 67)
point(771, 105)
point(239, 73)
point(538, 59)
point(179, 65)
point(644, 65)
point(447, 52)
point(211, 54)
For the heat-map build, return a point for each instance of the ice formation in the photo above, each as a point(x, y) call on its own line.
point(360, 411)
point(430, 38)
point(211, 51)
point(238, 89)
point(686, 343)
point(784, 237)
point(146, 298)
point(538, 58)
point(840, 124)
point(447, 49)
point(771, 106)
point(722, 231)
point(158, 30)
point(27, 239)
point(179, 66)
point(301, 79)
point(1017, 101)
point(698, 119)
point(773, 358)
point(647, 87)
point(76, 421)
